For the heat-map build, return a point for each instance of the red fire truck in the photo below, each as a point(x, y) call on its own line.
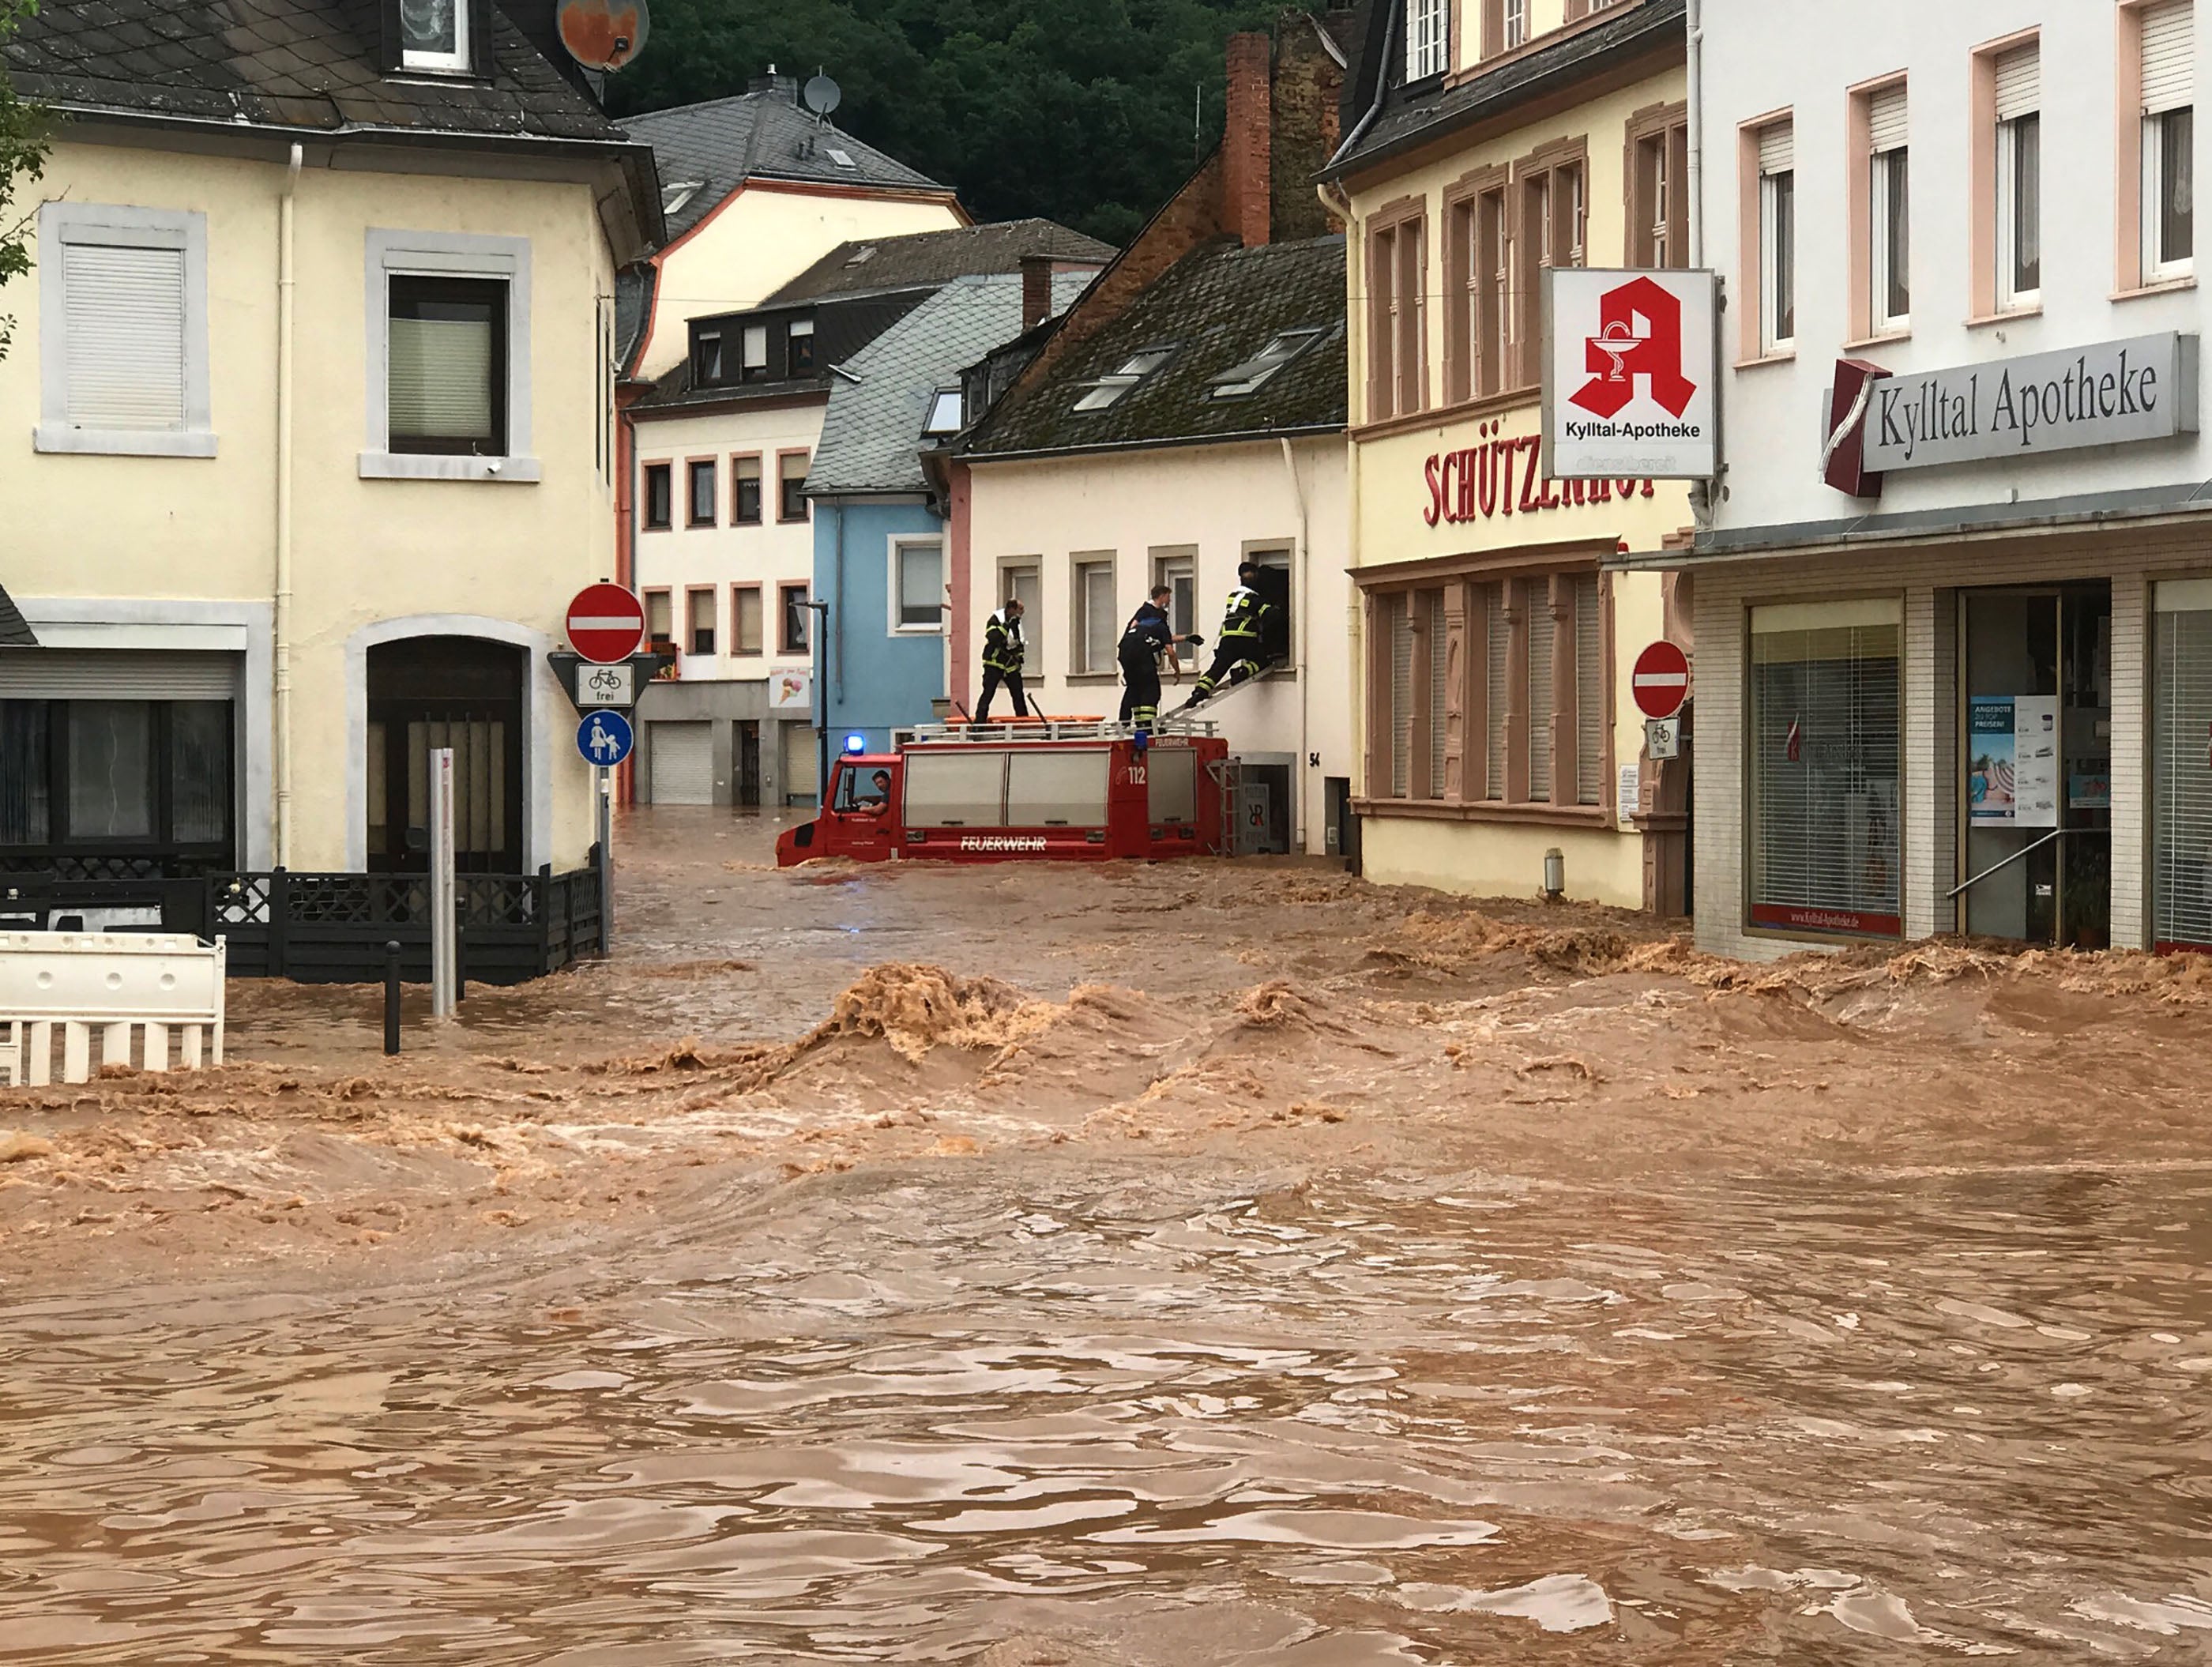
point(1052, 791)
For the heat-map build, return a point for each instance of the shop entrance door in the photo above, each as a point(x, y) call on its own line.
point(2035, 746)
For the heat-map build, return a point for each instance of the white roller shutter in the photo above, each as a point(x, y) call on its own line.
point(116, 674)
point(124, 310)
point(1777, 150)
point(682, 763)
point(2020, 82)
point(2169, 57)
point(802, 765)
point(2181, 769)
point(1886, 128)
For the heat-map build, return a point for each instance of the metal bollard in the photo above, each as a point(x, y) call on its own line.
point(390, 999)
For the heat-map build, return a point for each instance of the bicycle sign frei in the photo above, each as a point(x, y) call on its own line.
point(606, 687)
point(607, 623)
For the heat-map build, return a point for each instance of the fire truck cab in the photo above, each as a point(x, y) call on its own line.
point(1042, 792)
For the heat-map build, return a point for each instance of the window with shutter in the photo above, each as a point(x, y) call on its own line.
point(123, 362)
point(1589, 691)
point(1500, 700)
point(446, 357)
point(2181, 787)
point(1825, 779)
point(1777, 237)
point(921, 572)
point(2169, 140)
point(1400, 620)
point(1889, 230)
point(1433, 625)
point(1537, 700)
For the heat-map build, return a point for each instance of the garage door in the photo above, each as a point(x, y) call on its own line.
point(802, 768)
point(682, 763)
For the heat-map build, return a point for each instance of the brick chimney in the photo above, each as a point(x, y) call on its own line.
point(1247, 141)
point(1037, 290)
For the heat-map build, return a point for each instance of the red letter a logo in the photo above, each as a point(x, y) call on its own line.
point(1617, 356)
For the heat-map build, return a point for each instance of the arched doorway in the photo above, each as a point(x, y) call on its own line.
point(462, 692)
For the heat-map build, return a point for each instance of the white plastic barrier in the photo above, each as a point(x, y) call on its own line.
point(116, 983)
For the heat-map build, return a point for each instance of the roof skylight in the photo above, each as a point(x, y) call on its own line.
point(1109, 390)
point(1239, 382)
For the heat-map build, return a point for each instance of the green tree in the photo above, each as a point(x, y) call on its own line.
point(1079, 110)
point(23, 141)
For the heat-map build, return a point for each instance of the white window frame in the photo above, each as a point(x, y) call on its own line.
point(1428, 39)
point(63, 223)
point(447, 254)
point(459, 62)
point(900, 544)
point(1773, 258)
point(1880, 183)
point(2155, 270)
point(1079, 612)
point(1169, 562)
point(2009, 298)
point(1514, 26)
point(1032, 568)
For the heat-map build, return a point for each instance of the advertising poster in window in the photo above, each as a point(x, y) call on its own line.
point(2012, 761)
point(1630, 374)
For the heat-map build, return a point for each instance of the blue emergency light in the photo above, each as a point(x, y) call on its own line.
point(856, 744)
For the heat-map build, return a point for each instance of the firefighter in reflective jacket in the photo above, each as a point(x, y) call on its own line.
point(1241, 654)
point(1003, 651)
point(1149, 636)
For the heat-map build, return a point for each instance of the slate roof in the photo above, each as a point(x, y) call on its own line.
point(313, 65)
point(891, 263)
point(871, 435)
point(14, 633)
point(760, 135)
point(1218, 307)
point(1411, 117)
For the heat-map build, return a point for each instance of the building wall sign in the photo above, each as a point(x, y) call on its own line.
point(1503, 476)
point(2113, 394)
point(1631, 379)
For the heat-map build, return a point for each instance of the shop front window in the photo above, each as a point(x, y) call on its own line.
point(149, 778)
point(1825, 841)
point(2181, 767)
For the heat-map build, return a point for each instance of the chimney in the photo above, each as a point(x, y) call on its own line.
point(1037, 290)
point(1247, 147)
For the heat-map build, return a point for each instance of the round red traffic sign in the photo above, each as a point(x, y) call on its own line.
point(1660, 680)
point(607, 623)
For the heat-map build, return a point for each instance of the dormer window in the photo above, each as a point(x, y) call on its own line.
point(1255, 372)
point(1109, 390)
point(433, 36)
point(947, 408)
point(801, 354)
point(706, 358)
point(755, 343)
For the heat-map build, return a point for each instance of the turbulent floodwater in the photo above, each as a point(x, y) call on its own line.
point(1468, 1292)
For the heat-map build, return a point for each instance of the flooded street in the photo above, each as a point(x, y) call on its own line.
point(1159, 1266)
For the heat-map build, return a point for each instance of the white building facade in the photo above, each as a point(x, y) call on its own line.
point(1953, 616)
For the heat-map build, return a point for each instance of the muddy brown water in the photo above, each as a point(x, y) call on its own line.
point(1283, 1301)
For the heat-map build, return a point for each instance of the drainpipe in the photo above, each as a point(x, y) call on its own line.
point(1701, 492)
point(1302, 610)
point(282, 630)
point(838, 675)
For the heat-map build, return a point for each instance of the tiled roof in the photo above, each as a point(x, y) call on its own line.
point(1412, 118)
point(314, 65)
point(872, 436)
point(14, 633)
point(762, 135)
point(1218, 307)
point(891, 263)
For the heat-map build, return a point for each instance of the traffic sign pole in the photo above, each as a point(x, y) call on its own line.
point(604, 782)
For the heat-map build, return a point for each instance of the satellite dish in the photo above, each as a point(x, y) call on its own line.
point(821, 96)
point(602, 34)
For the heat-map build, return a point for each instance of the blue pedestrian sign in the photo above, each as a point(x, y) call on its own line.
point(606, 739)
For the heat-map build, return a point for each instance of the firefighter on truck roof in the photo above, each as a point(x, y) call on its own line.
point(1242, 653)
point(1003, 652)
point(1149, 636)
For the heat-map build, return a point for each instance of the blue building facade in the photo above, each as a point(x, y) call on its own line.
point(879, 532)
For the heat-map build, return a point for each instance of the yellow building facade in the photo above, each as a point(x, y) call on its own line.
point(311, 442)
point(1490, 653)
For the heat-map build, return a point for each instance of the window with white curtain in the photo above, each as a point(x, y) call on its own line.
point(2019, 179)
point(1097, 623)
point(1889, 209)
point(1777, 238)
point(2169, 140)
point(123, 322)
point(918, 566)
point(450, 321)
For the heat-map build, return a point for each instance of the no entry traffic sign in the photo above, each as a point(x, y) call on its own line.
point(1660, 680)
point(607, 623)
